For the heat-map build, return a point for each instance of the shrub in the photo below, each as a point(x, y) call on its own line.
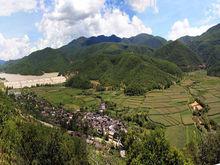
point(79, 82)
point(134, 90)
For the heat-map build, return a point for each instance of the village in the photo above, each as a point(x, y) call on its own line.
point(107, 130)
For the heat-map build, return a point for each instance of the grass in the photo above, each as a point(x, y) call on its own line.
point(207, 88)
point(186, 117)
point(180, 135)
point(1, 85)
point(102, 157)
point(71, 98)
point(216, 118)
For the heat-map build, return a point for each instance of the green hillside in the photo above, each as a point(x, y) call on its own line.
point(214, 70)
point(147, 40)
point(128, 69)
point(207, 46)
point(179, 54)
point(60, 60)
point(46, 60)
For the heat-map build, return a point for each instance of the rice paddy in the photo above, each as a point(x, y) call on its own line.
point(168, 107)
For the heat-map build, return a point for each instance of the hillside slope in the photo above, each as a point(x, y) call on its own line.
point(128, 69)
point(207, 46)
point(46, 60)
point(60, 60)
point(179, 54)
point(147, 40)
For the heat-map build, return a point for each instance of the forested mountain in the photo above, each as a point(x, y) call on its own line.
point(188, 56)
point(2, 62)
point(48, 59)
point(179, 54)
point(129, 69)
point(60, 60)
point(207, 46)
point(146, 39)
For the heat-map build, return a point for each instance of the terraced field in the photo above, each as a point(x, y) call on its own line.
point(168, 107)
point(207, 88)
point(72, 99)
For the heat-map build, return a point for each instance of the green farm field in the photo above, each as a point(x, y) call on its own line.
point(168, 107)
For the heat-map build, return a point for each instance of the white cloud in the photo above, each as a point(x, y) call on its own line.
point(73, 18)
point(141, 5)
point(214, 11)
point(13, 48)
point(182, 28)
point(8, 7)
point(65, 20)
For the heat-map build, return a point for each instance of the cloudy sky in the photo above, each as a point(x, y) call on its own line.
point(29, 25)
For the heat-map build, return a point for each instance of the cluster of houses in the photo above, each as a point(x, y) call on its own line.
point(102, 124)
point(56, 115)
point(105, 125)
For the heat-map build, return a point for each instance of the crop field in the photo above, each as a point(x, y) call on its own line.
point(181, 135)
point(71, 98)
point(168, 107)
point(207, 88)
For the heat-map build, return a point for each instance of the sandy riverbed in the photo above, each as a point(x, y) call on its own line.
point(21, 81)
point(18, 77)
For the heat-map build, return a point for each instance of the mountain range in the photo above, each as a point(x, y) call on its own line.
point(207, 46)
point(2, 62)
point(144, 58)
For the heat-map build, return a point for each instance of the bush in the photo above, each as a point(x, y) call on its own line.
point(145, 148)
point(134, 90)
point(79, 82)
point(100, 88)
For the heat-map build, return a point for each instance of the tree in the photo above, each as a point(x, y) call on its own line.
point(145, 148)
point(134, 90)
point(209, 149)
point(79, 82)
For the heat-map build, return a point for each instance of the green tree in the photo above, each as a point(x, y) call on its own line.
point(145, 148)
point(209, 149)
point(134, 90)
point(79, 82)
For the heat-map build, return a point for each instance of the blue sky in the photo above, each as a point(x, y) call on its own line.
point(28, 25)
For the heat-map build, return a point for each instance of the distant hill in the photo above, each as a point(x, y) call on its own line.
point(46, 60)
point(179, 54)
point(50, 60)
point(188, 52)
point(60, 60)
point(128, 68)
point(2, 62)
point(100, 39)
point(214, 70)
point(146, 39)
point(207, 46)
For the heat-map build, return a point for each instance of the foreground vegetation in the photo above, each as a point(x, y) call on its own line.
point(24, 141)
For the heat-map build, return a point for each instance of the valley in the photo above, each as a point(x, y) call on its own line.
point(107, 92)
point(168, 108)
point(109, 82)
